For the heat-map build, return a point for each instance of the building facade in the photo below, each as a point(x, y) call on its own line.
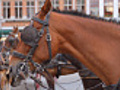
point(19, 12)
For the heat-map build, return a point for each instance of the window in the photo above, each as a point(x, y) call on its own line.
point(108, 8)
point(119, 7)
point(80, 5)
point(6, 10)
point(65, 1)
point(94, 7)
point(55, 4)
point(30, 9)
point(18, 9)
point(68, 4)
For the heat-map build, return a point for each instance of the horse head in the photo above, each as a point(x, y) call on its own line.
point(10, 43)
point(33, 36)
point(73, 35)
point(6, 48)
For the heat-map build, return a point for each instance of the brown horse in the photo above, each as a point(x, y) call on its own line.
point(7, 46)
point(69, 69)
point(65, 69)
point(94, 43)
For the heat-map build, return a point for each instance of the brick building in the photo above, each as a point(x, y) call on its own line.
point(19, 12)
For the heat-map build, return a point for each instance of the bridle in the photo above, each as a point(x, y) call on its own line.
point(28, 58)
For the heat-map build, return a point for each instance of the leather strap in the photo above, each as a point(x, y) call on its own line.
point(19, 55)
point(58, 71)
point(40, 21)
point(113, 86)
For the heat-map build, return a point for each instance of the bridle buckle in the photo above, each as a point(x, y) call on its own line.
point(48, 37)
point(46, 24)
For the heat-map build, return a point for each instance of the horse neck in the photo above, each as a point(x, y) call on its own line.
point(94, 43)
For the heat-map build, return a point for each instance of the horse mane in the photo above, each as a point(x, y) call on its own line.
point(76, 13)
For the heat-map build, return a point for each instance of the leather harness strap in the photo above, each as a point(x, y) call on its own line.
point(40, 21)
point(113, 87)
point(58, 71)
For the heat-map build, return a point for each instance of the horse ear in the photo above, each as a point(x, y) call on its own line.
point(42, 13)
point(46, 8)
point(15, 29)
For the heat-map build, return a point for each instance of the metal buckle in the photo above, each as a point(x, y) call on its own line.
point(22, 67)
point(48, 37)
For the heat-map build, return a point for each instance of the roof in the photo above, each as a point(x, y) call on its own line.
point(4, 32)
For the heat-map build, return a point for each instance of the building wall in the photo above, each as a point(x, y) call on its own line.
point(27, 9)
point(19, 12)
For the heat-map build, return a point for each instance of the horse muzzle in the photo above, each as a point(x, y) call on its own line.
point(17, 74)
point(15, 83)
